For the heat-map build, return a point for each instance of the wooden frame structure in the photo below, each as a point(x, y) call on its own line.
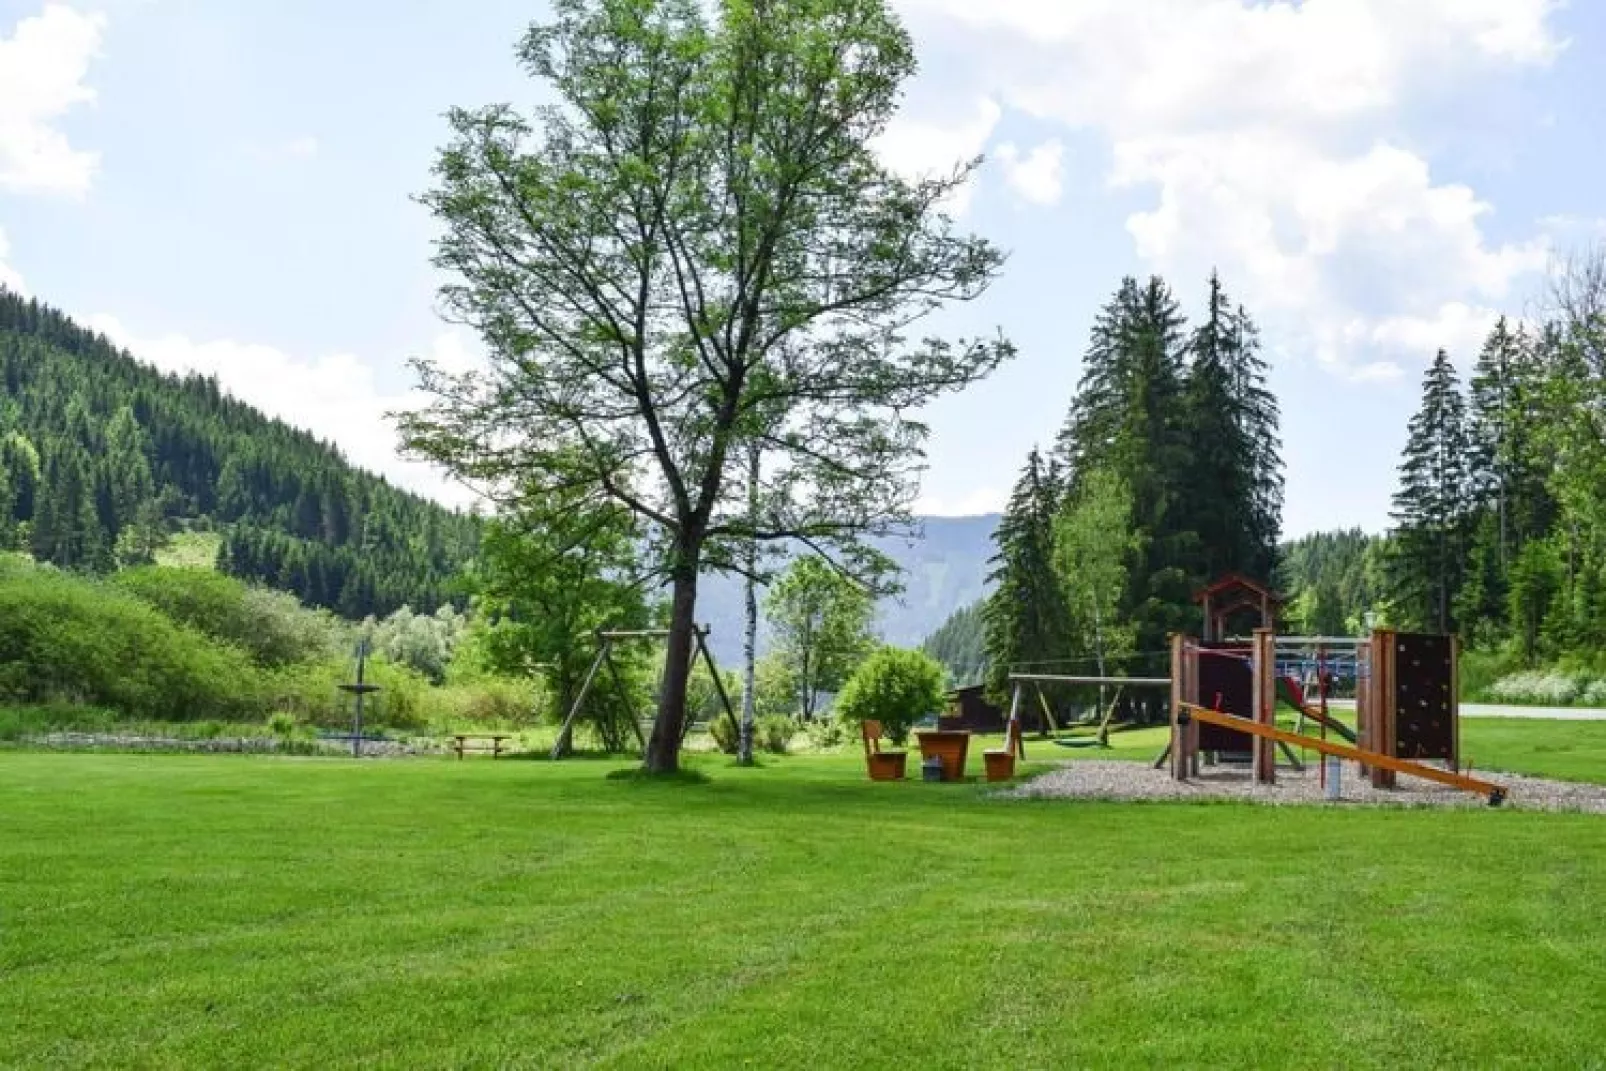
point(1232, 594)
point(1408, 711)
point(605, 642)
point(1037, 680)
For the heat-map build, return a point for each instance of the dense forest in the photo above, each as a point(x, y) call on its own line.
point(102, 456)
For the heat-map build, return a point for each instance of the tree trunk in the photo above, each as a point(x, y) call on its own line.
point(744, 747)
point(663, 748)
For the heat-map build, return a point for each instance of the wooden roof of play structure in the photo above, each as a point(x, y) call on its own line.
point(1232, 593)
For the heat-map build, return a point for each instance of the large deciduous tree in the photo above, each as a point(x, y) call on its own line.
point(821, 622)
point(692, 247)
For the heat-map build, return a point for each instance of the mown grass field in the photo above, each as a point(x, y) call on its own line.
point(230, 911)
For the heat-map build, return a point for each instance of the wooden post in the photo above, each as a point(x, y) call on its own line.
point(1179, 742)
point(1263, 664)
point(1455, 703)
point(1385, 644)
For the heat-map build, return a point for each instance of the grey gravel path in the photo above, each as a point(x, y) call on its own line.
point(1112, 780)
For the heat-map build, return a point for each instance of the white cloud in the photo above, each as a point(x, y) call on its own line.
point(970, 504)
point(8, 275)
point(335, 396)
point(42, 68)
point(1037, 175)
point(1270, 135)
point(922, 148)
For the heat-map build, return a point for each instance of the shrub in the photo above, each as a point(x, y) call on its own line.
point(312, 693)
point(69, 639)
point(270, 626)
point(827, 734)
point(894, 686)
point(1548, 687)
point(282, 723)
point(723, 733)
point(773, 733)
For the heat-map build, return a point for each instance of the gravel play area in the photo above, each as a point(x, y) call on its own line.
point(1108, 780)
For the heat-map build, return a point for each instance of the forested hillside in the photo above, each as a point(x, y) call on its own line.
point(102, 456)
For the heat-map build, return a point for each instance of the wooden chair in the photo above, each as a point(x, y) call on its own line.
point(1000, 762)
point(883, 765)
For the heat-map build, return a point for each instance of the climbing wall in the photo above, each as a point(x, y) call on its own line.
point(1425, 706)
point(1226, 684)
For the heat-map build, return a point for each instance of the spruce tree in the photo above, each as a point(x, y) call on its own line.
point(1025, 619)
point(1431, 507)
point(1126, 420)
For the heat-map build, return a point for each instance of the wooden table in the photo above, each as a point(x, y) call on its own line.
point(462, 742)
point(949, 745)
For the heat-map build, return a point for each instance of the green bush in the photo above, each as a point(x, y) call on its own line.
point(724, 733)
point(311, 693)
point(270, 626)
point(68, 639)
point(827, 733)
point(894, 686)
point(17, 723)
point(490, 702)
point(773, 733)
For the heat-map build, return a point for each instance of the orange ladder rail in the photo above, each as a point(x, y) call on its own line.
point(1496, 793)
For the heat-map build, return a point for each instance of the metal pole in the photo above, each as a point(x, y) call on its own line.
point(356, 737)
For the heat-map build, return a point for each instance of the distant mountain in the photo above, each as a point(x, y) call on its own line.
point(944, 569)
point(101, 454)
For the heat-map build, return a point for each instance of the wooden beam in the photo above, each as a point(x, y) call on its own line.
point(1496, 793)
point(1041, 678)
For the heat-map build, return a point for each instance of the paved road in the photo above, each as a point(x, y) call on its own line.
point(1494, 710)
point(1497, 710)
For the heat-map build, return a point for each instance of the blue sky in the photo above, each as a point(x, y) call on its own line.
point(227, 187)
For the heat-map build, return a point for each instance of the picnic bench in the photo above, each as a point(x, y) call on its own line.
point(481, 743)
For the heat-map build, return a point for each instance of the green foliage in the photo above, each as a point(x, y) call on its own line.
point(283, 724)
point(821, 623)
point(311, 693)
point(1432, 505)
point(64, 638)
point(644, 261)
point(1093, 544)
point(423, 642)
point(270, 626)
point(1025, 619)
point(774, 734)
point(894, 686)
point(960, 643)
point(101, 455)
point(550, 575)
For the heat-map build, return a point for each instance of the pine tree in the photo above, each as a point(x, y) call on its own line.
point(1431, 507)
point(1126, 420)
point(127, 470)
point(1025, 619)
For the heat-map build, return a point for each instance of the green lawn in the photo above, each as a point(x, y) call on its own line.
point(228, 911)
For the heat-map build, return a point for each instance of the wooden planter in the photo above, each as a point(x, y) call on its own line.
point(949, 746)
point(1000, 765)
point(887, 766)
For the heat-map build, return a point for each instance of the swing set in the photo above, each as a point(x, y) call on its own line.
point(606, 641)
